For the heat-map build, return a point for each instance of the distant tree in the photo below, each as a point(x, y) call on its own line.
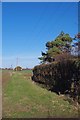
point(18, 68)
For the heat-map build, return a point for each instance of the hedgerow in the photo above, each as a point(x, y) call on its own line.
point(61, 77)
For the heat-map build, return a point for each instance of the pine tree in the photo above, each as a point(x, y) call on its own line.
point(57, 47)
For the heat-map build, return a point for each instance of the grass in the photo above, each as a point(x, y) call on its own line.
point(22, 98)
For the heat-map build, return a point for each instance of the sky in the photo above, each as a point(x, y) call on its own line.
point(27, 26)
point(0, 34)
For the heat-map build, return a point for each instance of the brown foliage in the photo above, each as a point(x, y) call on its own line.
point(58, 76)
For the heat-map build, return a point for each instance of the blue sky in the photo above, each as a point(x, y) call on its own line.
point(26, 27)
point(0, 34)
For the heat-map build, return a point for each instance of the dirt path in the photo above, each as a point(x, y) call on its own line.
point(6, 75)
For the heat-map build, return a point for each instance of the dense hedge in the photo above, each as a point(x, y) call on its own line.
point(62, 76)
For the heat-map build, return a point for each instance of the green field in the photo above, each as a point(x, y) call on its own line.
point(22, 98)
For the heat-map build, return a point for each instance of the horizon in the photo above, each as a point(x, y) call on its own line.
point(27, 26)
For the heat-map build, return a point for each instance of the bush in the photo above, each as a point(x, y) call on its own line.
point(59, 76)
point(18, 68)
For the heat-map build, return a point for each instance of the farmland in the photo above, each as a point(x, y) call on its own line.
point(22, 98)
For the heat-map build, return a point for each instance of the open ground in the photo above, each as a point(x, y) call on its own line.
point(22, 98)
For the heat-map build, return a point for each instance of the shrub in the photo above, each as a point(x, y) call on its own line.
point(59, 76)
point(18, 68)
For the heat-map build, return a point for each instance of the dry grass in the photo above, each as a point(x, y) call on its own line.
point(5, 76)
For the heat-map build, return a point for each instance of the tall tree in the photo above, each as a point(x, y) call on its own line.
point(59, 46)
point(78, 43)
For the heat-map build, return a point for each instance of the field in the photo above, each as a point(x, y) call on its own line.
point(22, 98)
